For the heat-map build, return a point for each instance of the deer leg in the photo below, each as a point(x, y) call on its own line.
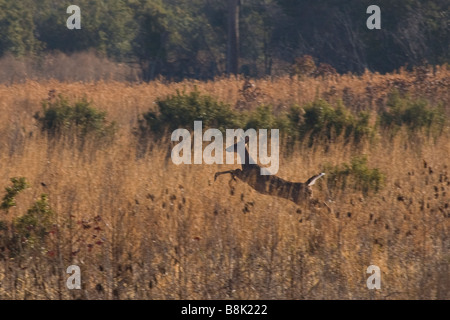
point(233, 178)
point(232, 172)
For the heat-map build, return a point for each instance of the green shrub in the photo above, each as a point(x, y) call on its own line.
point(33, 227)
point(182, 109)
point(316, 120)
point(264, 118)
point(356, 175)
point(319, 120)
point(415, 115)
point(60, 117)
point(28, 230)
point(8, 201)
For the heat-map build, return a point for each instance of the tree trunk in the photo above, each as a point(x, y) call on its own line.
point(233, 37)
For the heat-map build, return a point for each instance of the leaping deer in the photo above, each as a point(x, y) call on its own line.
point(297, 192)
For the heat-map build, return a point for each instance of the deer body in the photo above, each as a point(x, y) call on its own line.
point(296, 192)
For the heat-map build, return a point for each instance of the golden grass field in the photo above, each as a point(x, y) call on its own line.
point(143, 228)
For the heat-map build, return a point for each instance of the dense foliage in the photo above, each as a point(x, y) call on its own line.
point(79, 120)
point(179, 39)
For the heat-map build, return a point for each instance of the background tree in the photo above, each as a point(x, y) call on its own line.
point(17, 29)
point(201, 39)
point(106, 26)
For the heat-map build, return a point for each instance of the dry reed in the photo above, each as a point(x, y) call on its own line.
point(143, 228)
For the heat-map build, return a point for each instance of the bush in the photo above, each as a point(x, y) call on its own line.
point(356, 175)
point(320, 120)
point(264, 118)
point(304, 66)
point(413, 114)
point(8, 201)
point(60, 117)
point(33, 227)
point(182, 109)
point(28, 230)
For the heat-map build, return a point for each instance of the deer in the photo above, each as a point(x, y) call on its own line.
point(250, 173)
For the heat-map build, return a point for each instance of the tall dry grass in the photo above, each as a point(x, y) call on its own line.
point(143, 228)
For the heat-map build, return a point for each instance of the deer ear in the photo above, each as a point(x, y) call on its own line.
point(230, 148)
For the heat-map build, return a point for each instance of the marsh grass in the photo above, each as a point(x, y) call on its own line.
point(143, 228)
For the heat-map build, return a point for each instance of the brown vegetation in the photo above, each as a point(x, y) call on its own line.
point(143, 228)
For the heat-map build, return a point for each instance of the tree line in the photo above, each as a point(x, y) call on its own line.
point(206, 38)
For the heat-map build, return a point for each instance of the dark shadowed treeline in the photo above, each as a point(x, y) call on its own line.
point(188, 39)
